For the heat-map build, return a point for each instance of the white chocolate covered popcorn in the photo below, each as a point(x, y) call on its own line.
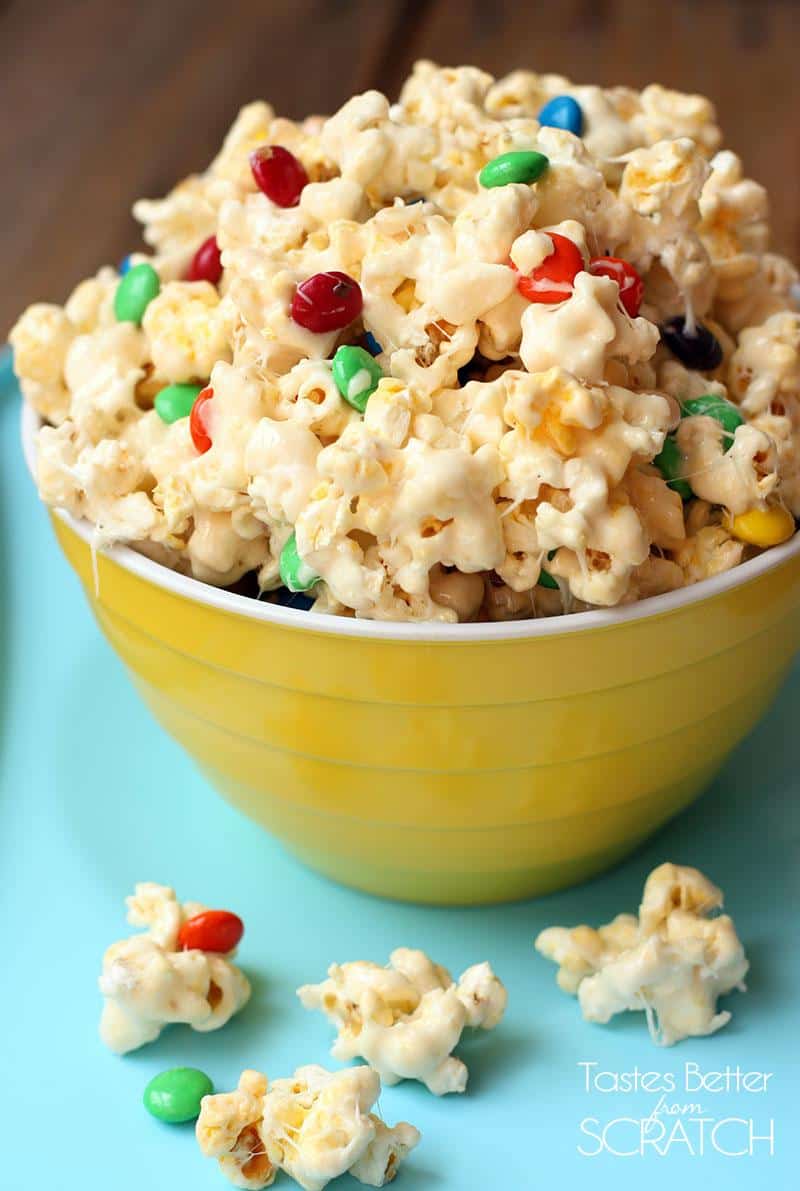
point(315, 1126)
point(673, 962)
point(40, 341)
point(187, 332)
point(520, 417)
point(148, 982)
point(405, 1019)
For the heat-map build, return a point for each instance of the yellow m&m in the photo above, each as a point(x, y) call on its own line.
point(763, 527)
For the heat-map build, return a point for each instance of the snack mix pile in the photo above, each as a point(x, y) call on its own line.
point(506, 348)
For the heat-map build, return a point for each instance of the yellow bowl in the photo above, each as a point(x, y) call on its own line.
point(457, 763)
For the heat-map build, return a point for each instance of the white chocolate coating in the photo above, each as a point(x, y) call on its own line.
point(673, 962)
point(544, 447)
point(147, 983)
point(406, 1019)
point(314, 1126)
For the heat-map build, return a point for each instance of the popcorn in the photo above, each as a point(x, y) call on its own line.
point(147, 982)
point(505, 432)
point(91, 303)
point(659, 507)
point(177, 225)
point(314, 1126)
point(584, 332)
point(405, 1020)
point(662, 186)
point(673, 962)
point(187, 331)
point(40, 341)
point(708, 552)
point(765, 367)
point(665, 114)
point(739, 474)
point(383, 157)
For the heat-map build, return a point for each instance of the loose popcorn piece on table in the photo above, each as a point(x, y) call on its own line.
point(405, 1019)
point(178, 970)
point(315, 1126)
point(546, 274)
point(673, 961)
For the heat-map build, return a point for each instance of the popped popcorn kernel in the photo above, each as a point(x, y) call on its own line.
point(315, 1126)
point(673, 962)
point(187, 331)
point(405, 1019)
point(148, 981)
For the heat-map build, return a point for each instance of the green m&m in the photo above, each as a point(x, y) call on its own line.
point(525, 165)
point(545, 578)
point(295, 574)
point(356, 375)
point(712, 405)
point(670, 463)
point(176, 401)
point(135, 292)
point(174, 1096)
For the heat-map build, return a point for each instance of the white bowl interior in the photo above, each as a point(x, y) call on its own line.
point(293, 618)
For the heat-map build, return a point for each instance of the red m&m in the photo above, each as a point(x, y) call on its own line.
point(631, 286)
point(327, 302)
point(278, 174)
point(198, 421)
point(206, 263)
point(551, 281)
point(213, 930)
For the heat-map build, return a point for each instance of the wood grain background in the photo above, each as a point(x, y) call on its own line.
point(103, 102)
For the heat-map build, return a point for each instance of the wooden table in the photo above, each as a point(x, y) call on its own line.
point(102, 103)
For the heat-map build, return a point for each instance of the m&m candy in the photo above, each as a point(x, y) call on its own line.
point(125, 264)
point(518, 166)
point(278, 174)
point(356, 375)
point(213, 930)
point(762, 527)
point(631, 286)
point(135, 292)
point(206, 263)
point(295, 574)
point(371, 344)
point(562, 111)
point(552, 280)
point(545, 578)
point(176, 401)
point(671, 463)
point(295, 600)
point(198, 421)
point(695, 347)
point(327, 302)
point(174, 1096)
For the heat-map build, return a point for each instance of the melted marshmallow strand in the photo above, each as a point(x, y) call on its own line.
point(457, 362)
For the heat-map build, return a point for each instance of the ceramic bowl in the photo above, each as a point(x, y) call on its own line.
point(450, 763)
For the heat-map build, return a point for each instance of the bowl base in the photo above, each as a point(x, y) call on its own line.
point(463, 888)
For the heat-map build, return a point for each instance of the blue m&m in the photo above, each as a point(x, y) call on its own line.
point(562, 111)
point(125, 264)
